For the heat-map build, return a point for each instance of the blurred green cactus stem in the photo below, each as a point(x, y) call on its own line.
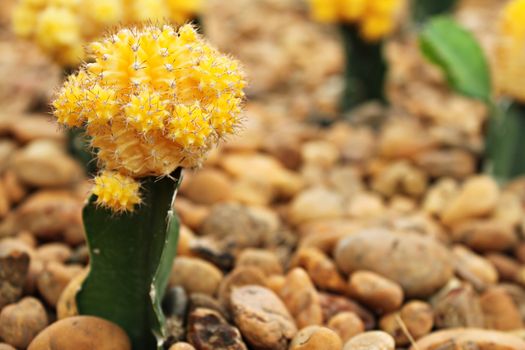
point(131, 255)
point(78, 147)
point(365, 69)
point(423, 10)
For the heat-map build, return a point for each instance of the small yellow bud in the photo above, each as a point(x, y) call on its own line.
point(116, 192)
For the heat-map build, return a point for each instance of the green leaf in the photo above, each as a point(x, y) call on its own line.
point(131, 258)
point(505, 143)
point(365, 69)
point(424, 9)
point(458, 54)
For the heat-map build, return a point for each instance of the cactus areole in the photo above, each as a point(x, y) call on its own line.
point(153, 101)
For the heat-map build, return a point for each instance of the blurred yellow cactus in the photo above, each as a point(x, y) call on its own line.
point(62, 27)
point(153, 99)
point(510, 51)
point(374, 18)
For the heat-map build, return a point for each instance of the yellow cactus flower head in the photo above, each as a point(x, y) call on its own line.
point(375, 19)
point(153, 99)
point(510, 51)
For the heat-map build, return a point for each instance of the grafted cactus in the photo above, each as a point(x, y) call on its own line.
point(154, 100)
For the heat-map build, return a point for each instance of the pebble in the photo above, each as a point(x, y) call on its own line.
point(418, 317)
point(474, 268)
point(320, 268)
point(191, 214)
point(333, 304)
point(4, 346)
point(316, 337)
point(233, 225)
point(499, 310)
point(34, 127)
point(207, 186)
point(81, 333)
point(42, 163)
point(458, 306)
point(195, 275)
point(465, 338)
point(181, 346)
point(485, 235)
point(58, 252)
point(263, 319)
point(67, 303)
point(208, 330)
point(421, 265)
point(301, 298)
point(21, 322)
point(54, 278)
point(48, 214)
point(346, 324)
point(506, 267)
point(454, 163)
point(240, 276)
point(264, 260)
point(14, 268)
point(316, 204)
point(374, 340)
point(375, 291)
point(478, 196)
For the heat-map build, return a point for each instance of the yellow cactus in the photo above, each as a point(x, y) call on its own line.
point(510, 51)
point(375, 19)
point(62, 27)
point(116, 192)
point(153, 99)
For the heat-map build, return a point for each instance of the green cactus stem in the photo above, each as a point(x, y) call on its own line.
point(365, 69)
point(423, 10)
point(131, 256)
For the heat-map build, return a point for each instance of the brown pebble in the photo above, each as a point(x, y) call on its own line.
point(301, 298)
point(58, 252)
point(333, 304)
point(374, 340)
point(14, 268)
point(507, 267)
point(181, 346)
point(265, 260)
point(81, 333)
point(418, 318)
point(456, 306)
point(263, 319)
point(67, 303)
point(375, 291)
point(54, 278)
point(500, 311)
point(465, 338)
point(195, 275)
point(21, 322)
point(240, 276)
point(4, 346)
point(208, 186)
point(346, 324)
point(320, 268)
point(208, 330)
point(314, 338)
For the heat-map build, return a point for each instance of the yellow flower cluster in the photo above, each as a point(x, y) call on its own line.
point(510, 51)
point(374, 18)
point(116, 192)
point(62, 27)
point(153, 99)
